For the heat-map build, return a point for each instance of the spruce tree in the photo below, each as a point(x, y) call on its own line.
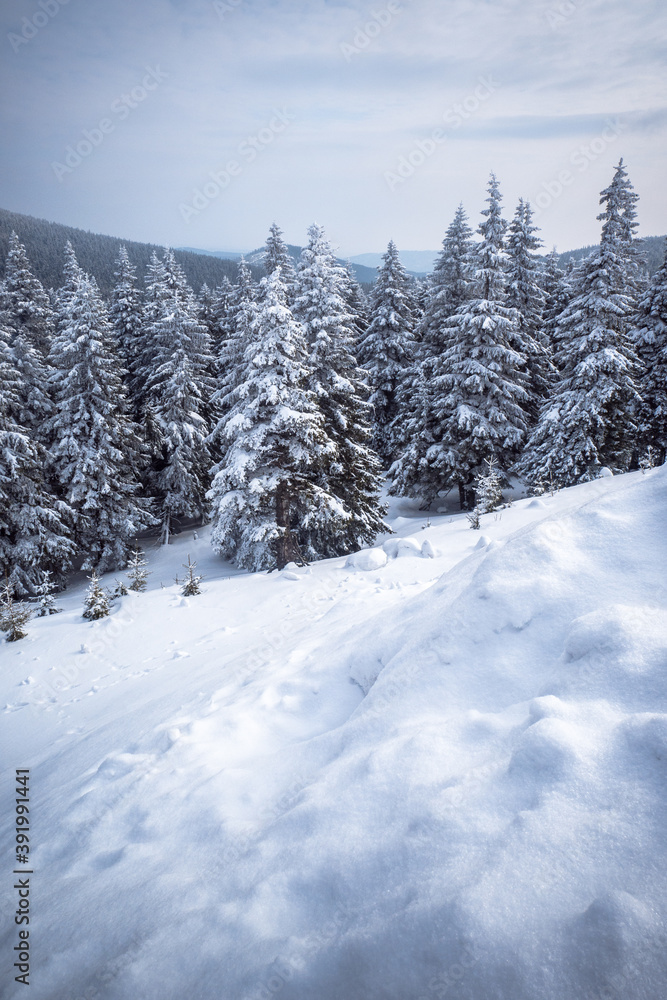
point(24, 302)
point(557, 288)
point(205, 308)
point(478, 382)
point(178, 389)
point(619, 218)
point(263, 495)
point(277, 255)
point(525, 293)
point(358, 307)
point(450, 285)
point(45, 591)
point(125, 313)
point(488, 488)
point(415, 428)
point(231, 366)
point(13, 615)
point(95, 448)
point(387, 349)
point(96, 603)
point(136, 570)
point(221, 320)
point(417, 423)
point(28, 320)
point(149, 350)
point(650, 337)
point(589, 421)
point(351, 472)
point(34, 526)
point(191, 586)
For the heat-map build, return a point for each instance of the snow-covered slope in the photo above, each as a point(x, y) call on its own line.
point(442, 776)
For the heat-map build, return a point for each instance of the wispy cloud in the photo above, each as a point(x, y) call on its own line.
point(559, 81)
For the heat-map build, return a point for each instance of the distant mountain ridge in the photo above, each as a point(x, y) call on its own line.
point(364, 275)
point(45, 242)
point(422, 262)
point(97, 253)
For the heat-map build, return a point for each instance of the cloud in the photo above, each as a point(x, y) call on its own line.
point(228, 66)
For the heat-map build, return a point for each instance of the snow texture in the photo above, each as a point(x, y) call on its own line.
point(443, 778)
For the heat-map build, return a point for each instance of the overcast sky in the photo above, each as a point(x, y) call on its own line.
point(375, 120)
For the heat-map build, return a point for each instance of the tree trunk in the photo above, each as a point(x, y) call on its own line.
point(462, 496)
point(286, 548)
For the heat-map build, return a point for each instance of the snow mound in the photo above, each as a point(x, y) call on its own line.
point(367, 560)
point(399, 548)
point(391, 794)
point(427, 550)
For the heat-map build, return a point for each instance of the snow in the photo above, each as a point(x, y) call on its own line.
point(367, 559)
point(443, 778)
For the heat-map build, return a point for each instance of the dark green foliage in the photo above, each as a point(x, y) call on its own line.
point(97, 254)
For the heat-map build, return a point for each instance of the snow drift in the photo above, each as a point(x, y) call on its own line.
point(460, 792)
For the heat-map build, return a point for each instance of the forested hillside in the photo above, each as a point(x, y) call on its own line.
point(44, 242)
point(653, 249)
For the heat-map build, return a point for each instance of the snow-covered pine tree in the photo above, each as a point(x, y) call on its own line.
point(557, 293)
point(489, 488)
point(414, 430)
point(417, 424)
point(221, 320)
point(488, 494)
point(588, 422)
point(155, 305)
point(205, 308)
point(422, 288)
point(126, 315)
point(387, 350)
point(179, 384)
point(525, 281)
point(136, 569)
point(352, 471)
point(231, 358)
point(263, 494)
point(191, 586)
point(26, 315)
point(478, 382)
point(358, 306)
point(96, 603)
point(650, 337)
point(34, 526)
point(95, 448)
point(13, 616)
point(619, 218)
point(450, 285)
point(277, 255)
point(24, 302)
point(45, 591)
point(199, 341)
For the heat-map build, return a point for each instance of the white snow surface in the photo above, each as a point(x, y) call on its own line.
point(444, 777)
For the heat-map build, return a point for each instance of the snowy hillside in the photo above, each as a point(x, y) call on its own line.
point(445, 775)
